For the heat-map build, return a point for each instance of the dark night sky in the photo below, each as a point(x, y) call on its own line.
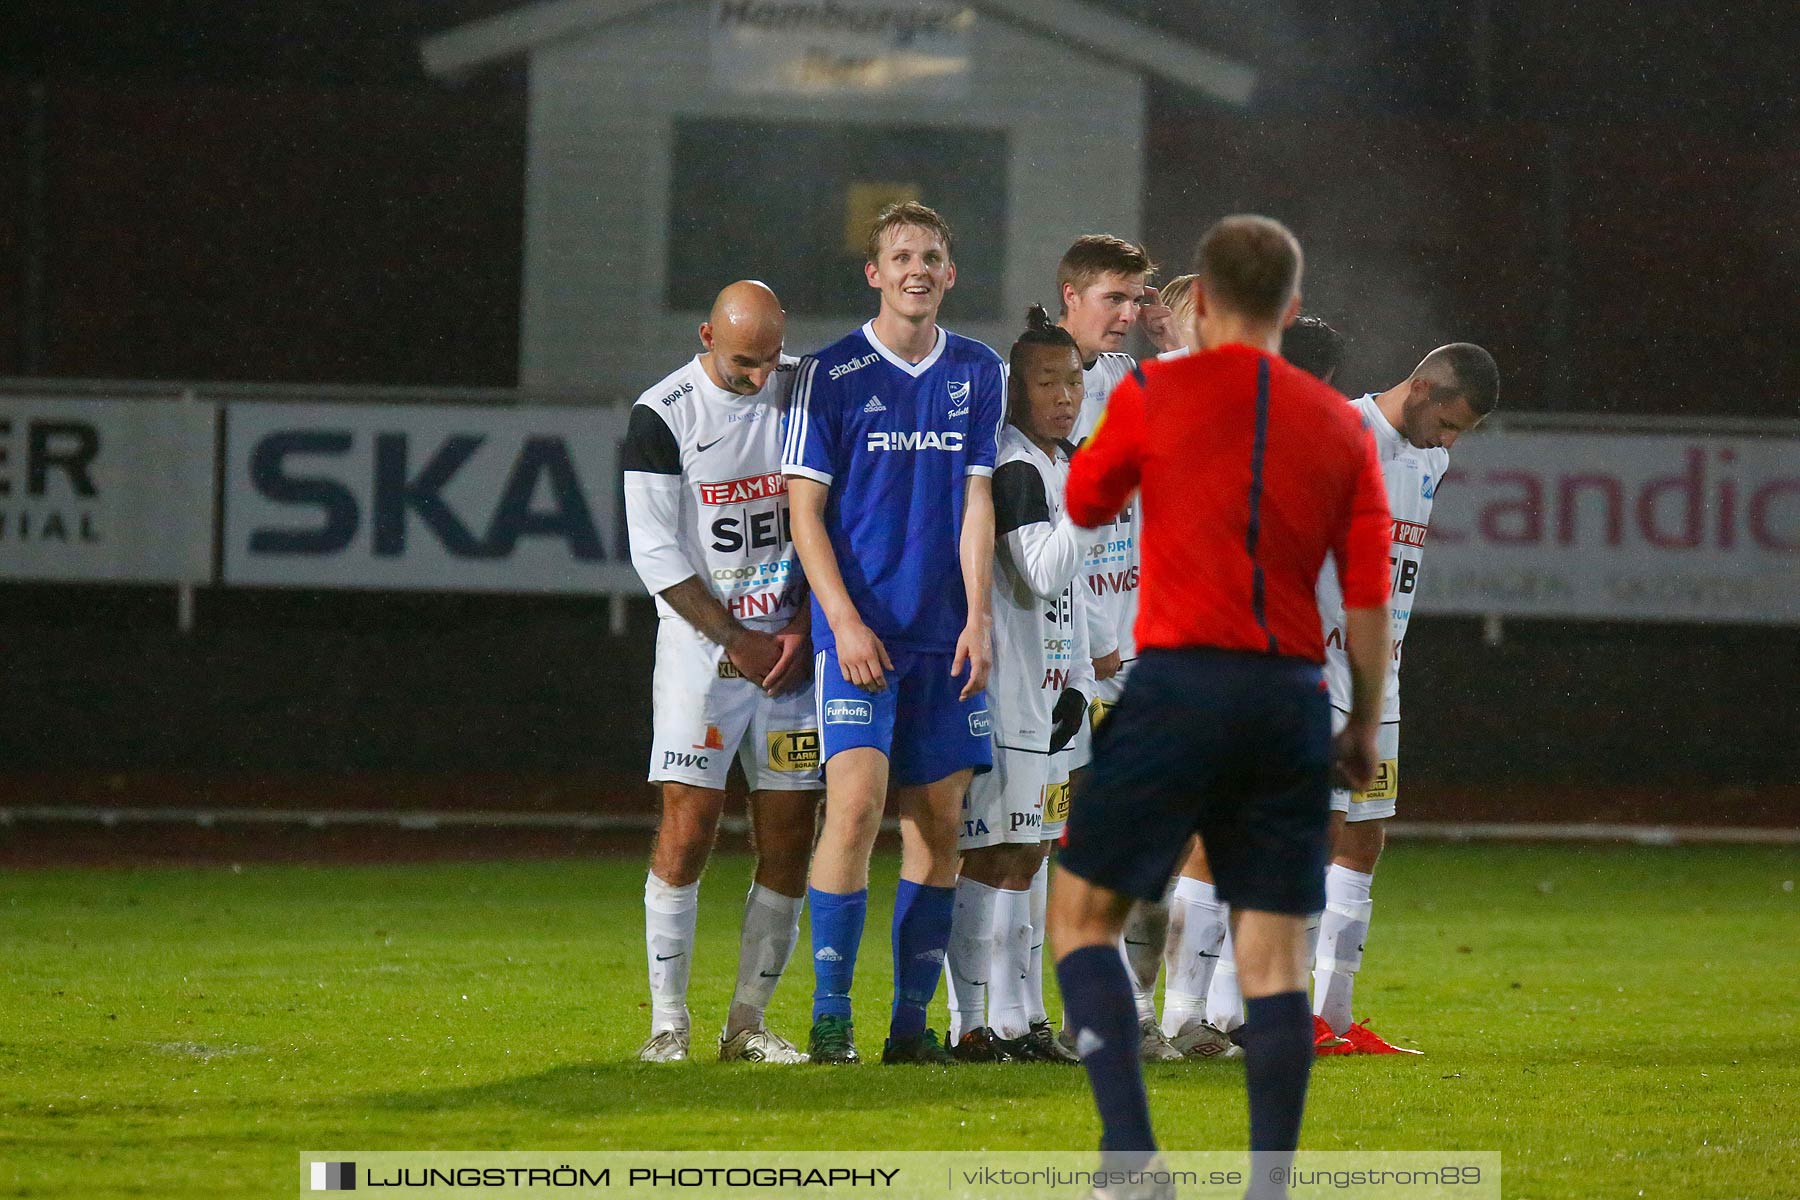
point(375, 237)
point(1573, 59)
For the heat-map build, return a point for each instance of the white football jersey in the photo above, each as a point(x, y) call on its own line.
point(1111, 559)
point(1412, 476)
point(705, 496)
point(1040, 619)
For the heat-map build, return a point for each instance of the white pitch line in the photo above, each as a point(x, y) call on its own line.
point(426, 821)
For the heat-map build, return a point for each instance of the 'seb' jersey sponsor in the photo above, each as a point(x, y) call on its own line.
point(1412, 476)
point(705, 496)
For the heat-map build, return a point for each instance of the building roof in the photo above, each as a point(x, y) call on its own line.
point(1084, 26)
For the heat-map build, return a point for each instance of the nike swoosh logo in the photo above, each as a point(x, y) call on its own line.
point(977, 983)
point(1204, 954)
point(770, 974)
point(703, 447)
point(667, 957)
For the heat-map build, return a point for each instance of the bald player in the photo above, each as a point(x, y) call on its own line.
point(707, 509)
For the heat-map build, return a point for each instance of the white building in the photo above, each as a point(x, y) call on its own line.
point(675, 145)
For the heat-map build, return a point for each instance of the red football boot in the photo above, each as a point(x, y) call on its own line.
point(1364, 1040)
point(1326, 1042)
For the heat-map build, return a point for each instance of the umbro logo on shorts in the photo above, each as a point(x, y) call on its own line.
point(849, 712)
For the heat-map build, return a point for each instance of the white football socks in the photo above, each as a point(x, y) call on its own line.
point(967, 958)
point(1342, 930)
point(1198, 923)
point(670, 914)
point(1010, 970)
point(1224, 1003)
point(1040, 904)
point(771, 928)
point(1146, 934)
point(1146, 1010)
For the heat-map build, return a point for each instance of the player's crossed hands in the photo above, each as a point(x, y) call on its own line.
point(775, 662)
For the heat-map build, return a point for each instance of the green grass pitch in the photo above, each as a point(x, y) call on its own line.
point(1616, 1022)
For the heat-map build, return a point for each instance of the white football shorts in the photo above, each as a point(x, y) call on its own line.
point(1022, 801)
point(705, 714)
point(1379, 800)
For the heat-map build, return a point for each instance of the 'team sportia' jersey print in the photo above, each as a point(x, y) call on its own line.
point(705, 496)
point(895, 442)
point(1111, 562)
point(1040, 601)
point(1412, 476)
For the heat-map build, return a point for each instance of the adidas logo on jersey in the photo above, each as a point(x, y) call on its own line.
point(828, 955)
point(874, 405)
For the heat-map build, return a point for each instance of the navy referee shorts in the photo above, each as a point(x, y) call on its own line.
point(1233, 746)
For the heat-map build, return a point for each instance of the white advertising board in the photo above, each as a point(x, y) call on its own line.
point(1618, 526)
point(104, 490)
point(816, 47)
point(430, 498)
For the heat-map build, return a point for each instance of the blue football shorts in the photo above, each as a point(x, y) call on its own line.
point(919, 720)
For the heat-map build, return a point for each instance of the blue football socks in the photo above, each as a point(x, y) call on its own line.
point(921, 933)
point(837, 927)
point(1278, 1055)
point(1099, 1011)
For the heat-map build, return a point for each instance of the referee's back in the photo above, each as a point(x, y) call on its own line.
point(1249, 471)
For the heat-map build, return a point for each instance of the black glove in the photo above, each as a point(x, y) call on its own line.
point(1066, 718)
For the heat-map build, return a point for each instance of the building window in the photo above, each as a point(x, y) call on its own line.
point(788, 203)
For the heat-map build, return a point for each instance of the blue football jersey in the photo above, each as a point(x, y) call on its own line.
point(895, 441)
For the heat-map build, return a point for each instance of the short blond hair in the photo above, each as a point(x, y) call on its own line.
point(1097, 254)
point(906, 212)
point(1178, 292)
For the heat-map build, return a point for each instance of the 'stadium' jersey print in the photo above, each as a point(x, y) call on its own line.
point(1412, 476)
point(1040, 618)
point(895, 442)
point(705, 496)
point(1111, 561)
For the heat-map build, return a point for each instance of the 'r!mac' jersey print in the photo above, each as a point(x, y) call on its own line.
point(705, 496)
point(1412, 476)
point(895, 442)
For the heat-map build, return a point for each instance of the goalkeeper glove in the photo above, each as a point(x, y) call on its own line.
point(1066, 718)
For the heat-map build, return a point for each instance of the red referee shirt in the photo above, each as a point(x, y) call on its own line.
point(1249, 470)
